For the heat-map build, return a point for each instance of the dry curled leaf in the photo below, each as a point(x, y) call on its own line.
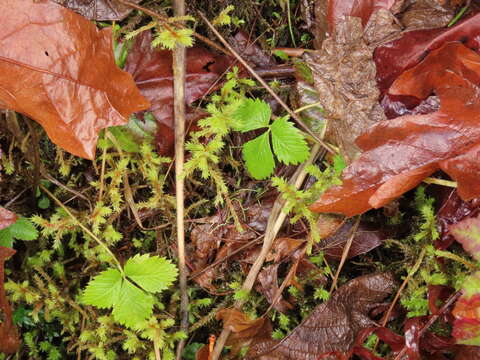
point(9, 336)
point(400, 153)
point(54, 66)
point(333, 326)
point(100, 10)
point(427, 14)
point(344, 76)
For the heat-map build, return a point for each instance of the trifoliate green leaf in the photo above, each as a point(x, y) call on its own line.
point(258, 157)
point(252, 114)
point(133, 306)
point(153, 274)
point(103, 291)
point(289, 144)
point(23, 229)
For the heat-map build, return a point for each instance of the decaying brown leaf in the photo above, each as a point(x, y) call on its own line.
point(9, 336)
point(332, 326)
point(214, 239)
point(400, 153)
point(344, 76)
point(100, 10)
point(59, 69)
point(7, 218)
point(367, 237)
point(428, 14)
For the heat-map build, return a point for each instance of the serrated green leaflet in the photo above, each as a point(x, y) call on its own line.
point(153, 274)
point(23, 229)
point(288, 142)
point(252, 114)
point(133, 306)
point(6, 238)
point(103, 291)
point(258, 157)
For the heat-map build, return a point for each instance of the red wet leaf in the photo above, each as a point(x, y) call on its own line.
point(333, 326)
point(65, 60)
point(400, 153)
point(100, 10)
point(465, 352)
point(7, 218)
point(452, 210)
point(338, 9)
point(152, 71)
point(393, 58)
point(9, 337)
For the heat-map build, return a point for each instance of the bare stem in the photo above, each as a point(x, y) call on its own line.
point(179, 69)
point(275, 222)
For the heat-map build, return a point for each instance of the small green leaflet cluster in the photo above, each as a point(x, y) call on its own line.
point(22, 229)
point(165, 36)
point(287, 141)
point(466, 327)
point(130, 295)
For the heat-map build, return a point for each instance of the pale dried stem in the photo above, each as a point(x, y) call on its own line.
point(179, 70)
point(346, 250)
point(275, 222)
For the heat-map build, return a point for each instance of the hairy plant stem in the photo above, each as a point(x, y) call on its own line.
point(275, 222)
point(179, 70)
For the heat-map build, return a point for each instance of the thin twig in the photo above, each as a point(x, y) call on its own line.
point(164, 20)
point(275, 222)
point(412, 272)
point(266, 86)
point(346, 250)
point(179, 70)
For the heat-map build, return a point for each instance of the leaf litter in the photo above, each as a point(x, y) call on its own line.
point(432, 81)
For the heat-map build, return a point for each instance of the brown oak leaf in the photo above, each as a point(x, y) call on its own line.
point(58, 68)
point(332, 326)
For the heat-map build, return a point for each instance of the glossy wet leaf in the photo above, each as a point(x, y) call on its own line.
point(394, 57)
point(398, 154)
point(65, 60)
point(332, 326)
